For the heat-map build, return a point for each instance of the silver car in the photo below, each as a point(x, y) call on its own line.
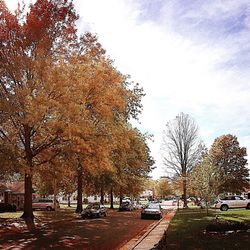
point(152, 210)
point(93, 211)
point(45, 204)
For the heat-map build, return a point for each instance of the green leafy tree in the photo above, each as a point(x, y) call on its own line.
point(204, 181)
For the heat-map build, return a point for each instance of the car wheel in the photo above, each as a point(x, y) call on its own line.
point(248, 206)
point(224, 208)
point(49, 208)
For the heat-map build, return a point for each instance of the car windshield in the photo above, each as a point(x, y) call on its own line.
point(153, 206)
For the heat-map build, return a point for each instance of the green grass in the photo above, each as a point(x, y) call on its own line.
point(187, 230)
point(9, 215)
point(239, 215)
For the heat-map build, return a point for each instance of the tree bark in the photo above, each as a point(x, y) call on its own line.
point(121, 197)
point(79, 188)
point(111, 198)
point(102, 196)
point(69, 200)
point(54, 194)
point(185, 192)
point(27, 210)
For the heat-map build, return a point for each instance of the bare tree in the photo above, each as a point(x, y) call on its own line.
point(181, 148)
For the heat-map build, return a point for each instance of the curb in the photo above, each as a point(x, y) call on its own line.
point(146, 234)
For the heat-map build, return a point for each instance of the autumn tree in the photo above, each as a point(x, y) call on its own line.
point(53, 95)
point(132, 163)
point(229, 158)
point(163, 188)
point(62, 94)
point(204, 181)
point(181, 148)
point(30, 47)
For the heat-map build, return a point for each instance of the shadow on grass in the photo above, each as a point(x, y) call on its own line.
point(187, 231)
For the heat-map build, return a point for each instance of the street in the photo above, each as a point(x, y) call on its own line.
point(72, 232)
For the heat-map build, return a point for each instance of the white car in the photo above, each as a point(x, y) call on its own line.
point(232, 201)
point(44, 204)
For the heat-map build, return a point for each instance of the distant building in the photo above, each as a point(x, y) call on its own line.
point(147, 193)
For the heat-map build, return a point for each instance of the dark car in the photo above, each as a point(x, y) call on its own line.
point(5, 207)
point(94, 210)
point(152, 210)
point(126, 206)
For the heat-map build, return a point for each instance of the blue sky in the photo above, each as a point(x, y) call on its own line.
point(190, 56)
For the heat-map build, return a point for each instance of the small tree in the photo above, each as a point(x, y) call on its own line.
point(204, 181)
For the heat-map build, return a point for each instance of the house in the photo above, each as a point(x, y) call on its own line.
point(12, 193)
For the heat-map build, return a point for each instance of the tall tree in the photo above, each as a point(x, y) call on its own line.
point(30, 47)
point(229, 157)
point(181, 148)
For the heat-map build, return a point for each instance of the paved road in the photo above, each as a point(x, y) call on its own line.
point(109, 233)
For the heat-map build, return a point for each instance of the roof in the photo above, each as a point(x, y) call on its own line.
point(3, 187)
point(17, 187)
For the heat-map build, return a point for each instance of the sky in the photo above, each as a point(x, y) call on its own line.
point(190, 56)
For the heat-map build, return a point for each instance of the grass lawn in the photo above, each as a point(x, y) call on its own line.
point(187, 230)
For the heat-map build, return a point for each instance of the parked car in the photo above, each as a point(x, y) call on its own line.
point(126, 206)
point(5, 207)
point(94, 210)
point(45, 204)
point(152, 210)
point(232, 201)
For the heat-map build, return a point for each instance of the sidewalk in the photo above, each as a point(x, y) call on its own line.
point(153, 235)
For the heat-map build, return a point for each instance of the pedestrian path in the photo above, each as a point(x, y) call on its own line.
point(154, 234)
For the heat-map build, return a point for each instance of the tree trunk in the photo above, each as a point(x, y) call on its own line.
point(54, 194)
point(185, 192)
point(121, 197)
point(102, 196)
point(79, 188)
point(27, 210)
point(111, 198)
point(69, 200)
